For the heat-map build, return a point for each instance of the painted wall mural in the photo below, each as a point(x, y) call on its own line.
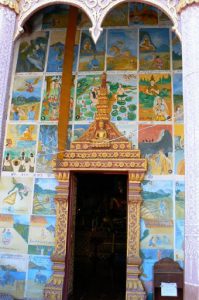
point(143, 62)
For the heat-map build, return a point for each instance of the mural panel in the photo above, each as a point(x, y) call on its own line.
point(87, 96)
point(154, 49)
point(122, 49)
point(155, 143)
point(47, 148)
point(56, 51)
point(19, 154)
point(14, 230)
point(155, 97)
point(122, 97)
point(44, 192)
point(32, 52)
point(92, 55)
point(42, 231)
point(16, 195)
point(26, 98)
point(39, 271)
point(13, 274)
point(55, 16)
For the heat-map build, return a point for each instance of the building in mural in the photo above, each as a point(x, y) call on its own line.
point(142, 59)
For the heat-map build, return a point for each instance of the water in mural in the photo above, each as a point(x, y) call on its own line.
point(144, 81)
point(39, 271)
point(122, 97)
point(13, 274)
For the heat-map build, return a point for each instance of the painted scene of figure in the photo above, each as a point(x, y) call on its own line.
point(47, 148)
point(44, 192)
point(155, 143)
point(13, 275)
point(156, 234)
point(39, 272)
point(51, 98)
point(157, 196)
point(32, 52)
point(179, 149)
point(55, 16)
point(83, 20)
point(122, 49)
point(163, 19)
point(87, 97)
point(26, 98)
point(42, 231)
point(19, 154)
point(118, 16)
point(180, 200)
point(176, 52)
point(143, 14)
point(16, 195)
point(14, 231)
point(154, 49)
point(178, 98)
point(122, 97)
point(155, 97)
point(56, 51)
point(92, 56)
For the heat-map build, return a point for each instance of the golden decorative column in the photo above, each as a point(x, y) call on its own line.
point(134, 287)
point(53, 289)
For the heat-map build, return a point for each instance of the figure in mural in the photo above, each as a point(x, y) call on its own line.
point(22, 190)
point(146, 44)
point(153, 88)
point(160, 109)
point(6, 236)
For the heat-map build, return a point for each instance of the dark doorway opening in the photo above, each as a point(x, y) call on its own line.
point(100, 237)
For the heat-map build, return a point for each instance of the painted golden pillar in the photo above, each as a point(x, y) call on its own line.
point(53, 289)
point(134, 287)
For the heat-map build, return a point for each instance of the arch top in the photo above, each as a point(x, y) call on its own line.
point(96, 10)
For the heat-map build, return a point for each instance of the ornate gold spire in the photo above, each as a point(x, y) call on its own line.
point(102, 133)
point(183, 3)
point(12, 4)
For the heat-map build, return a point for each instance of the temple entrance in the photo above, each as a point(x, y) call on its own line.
point(100, 237)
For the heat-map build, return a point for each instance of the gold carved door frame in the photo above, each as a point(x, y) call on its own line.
point(101, 149)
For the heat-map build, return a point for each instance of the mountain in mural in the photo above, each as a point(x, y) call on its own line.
point(39, 190)
point(165, 142)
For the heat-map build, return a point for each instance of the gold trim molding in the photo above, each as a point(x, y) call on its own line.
point(12, 4)
point(184, 3)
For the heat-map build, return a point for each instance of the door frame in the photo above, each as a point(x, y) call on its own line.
point(76, 161)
